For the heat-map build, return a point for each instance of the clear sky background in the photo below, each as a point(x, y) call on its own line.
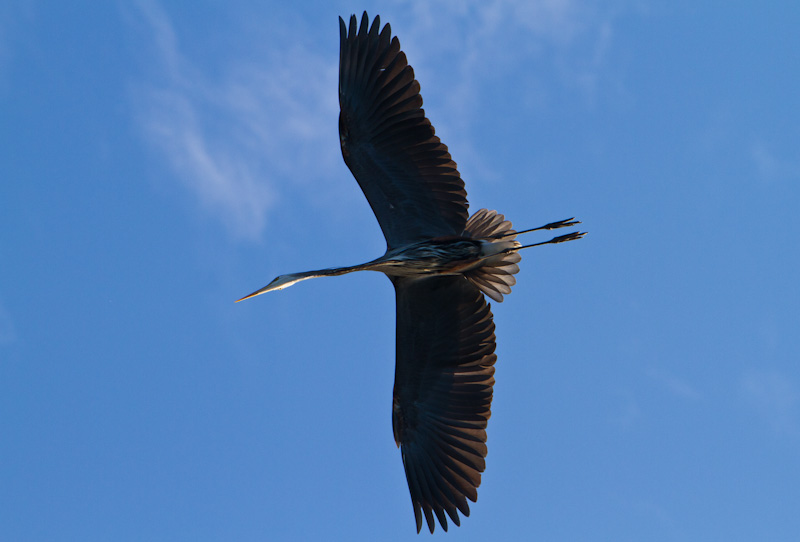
point(158, 160)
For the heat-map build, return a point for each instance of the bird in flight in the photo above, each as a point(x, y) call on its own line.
point(441, 264)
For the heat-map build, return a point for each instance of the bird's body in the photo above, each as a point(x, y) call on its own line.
point(446, 256)
point(441, 264)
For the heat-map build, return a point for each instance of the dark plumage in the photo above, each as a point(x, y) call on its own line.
point(440, 264)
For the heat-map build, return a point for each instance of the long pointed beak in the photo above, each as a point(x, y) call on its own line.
point(257, 292)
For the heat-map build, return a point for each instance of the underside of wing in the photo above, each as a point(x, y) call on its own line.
point(442, 392)
point(404, 170)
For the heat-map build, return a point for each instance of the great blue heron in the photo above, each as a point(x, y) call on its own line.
point(440, 264)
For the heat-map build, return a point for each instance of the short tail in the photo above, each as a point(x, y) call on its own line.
point(496, 277)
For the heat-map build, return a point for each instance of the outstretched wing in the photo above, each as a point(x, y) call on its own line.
point(442, 392)
point(405, 171)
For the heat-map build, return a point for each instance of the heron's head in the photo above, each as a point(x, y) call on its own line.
point(278, 283)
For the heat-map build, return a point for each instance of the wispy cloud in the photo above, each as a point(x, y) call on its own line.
point(484, 29)
point(510, 36)
point(776, 397)
point(231, 139)
point(239, 139)
point(544, 48)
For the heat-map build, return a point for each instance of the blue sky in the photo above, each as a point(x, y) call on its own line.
point(160, 160)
